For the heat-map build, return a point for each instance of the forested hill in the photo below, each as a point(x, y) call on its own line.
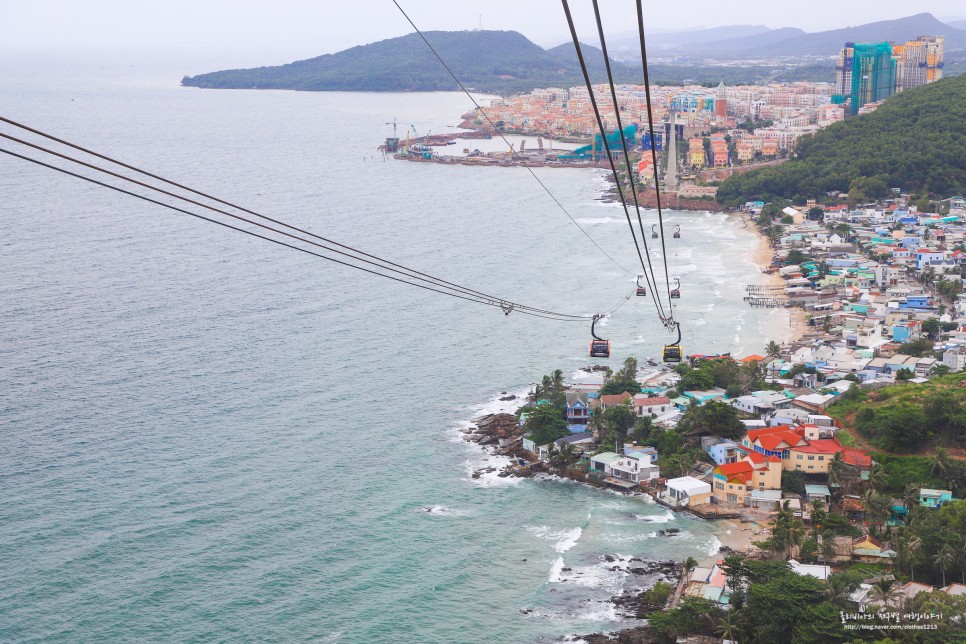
point(914, 141)
point(501, 62)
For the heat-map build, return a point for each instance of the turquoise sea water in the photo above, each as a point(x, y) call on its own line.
point(207, 438)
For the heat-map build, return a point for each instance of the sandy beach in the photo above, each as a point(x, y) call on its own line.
point(762, 255)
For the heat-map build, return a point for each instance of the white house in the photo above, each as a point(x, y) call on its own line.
point(656, 406)
point(687, 490)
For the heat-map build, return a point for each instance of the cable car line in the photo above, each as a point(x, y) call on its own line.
point(495, 302)
point(414, 273)
point(495, 129)
point(620, 130)
point(650, 124)
point(417, 275)
point(593, 101)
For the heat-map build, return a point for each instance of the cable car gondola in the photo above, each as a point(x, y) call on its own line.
point(599, 348)
point(653, 231)
point(677, 232)
point(672, 352)
point(676, 291)
point(641, 290)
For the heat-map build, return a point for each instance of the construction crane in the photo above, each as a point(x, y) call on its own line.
point(392, 143)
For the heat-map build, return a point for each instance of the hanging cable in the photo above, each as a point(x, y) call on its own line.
point(495, 129)
point(409, 273)
point(650, 124)
point(464, 293)
point(627, 161)
point(610, 158)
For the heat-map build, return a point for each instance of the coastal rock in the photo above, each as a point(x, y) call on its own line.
point(510, 397)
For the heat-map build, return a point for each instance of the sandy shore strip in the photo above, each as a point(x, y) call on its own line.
point(762, 255)
point(737, 534)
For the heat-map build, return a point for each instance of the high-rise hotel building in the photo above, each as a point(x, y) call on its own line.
point(870, 72)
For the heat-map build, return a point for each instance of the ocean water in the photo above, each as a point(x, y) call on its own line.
point(204, 437)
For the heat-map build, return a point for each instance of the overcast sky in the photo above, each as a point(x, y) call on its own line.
point(289, 29)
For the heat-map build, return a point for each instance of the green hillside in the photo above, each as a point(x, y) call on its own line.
point(500, 62)
point(915, 141)
point(908, 417)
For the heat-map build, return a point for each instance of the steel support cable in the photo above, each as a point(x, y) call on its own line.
point(650, 123)
point(495, 129)
point(408, 272)
point(610, 158)
point(477, 300)
point(627, 161)
point(445, 285)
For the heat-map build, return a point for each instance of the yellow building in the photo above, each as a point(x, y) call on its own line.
point(733, 482)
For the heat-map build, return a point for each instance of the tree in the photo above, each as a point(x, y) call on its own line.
point(884, 592)
point(904, 374)
point(827, 547)
point(693, 616)
point(836, 468)
point(545, 424)
point(932, 328)
point(625, 379)
point(796, 256)
point(619, 418)
point(712, 418)
point(944, 559)
point(773, 349)
point(728, 627)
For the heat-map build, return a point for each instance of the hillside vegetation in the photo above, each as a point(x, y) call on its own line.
point(915, 141)
point(908, 417)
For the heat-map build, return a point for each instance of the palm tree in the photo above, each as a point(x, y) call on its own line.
point(910, 499)
point(689, 564)
point(885, 591)
point(939, 466)
point(961, 554)
point(943, 559)
point(876, 477)
point(827, 547)
point(838, 590)
point(773, 349)
point(796, 533)
point(819, 515)
point(728, 627)
point(597, 426)
point(908, 546)
point(836, 469)
point(556, 381)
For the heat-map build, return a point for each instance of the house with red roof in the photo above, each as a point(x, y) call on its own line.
point(734, 482)
point(795, 452)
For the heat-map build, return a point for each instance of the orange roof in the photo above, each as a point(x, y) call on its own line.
point(741, 470)
point(753, 358)
point(772, 441)
point(649, 402)
point(755, 457)
point(753, 434)
point(615, 399)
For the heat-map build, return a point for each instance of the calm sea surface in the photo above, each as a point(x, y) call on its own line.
point(205, 437)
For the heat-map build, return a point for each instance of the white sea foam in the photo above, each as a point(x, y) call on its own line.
point(563, 540)
point(628, 538)
point(656, 518)
point(569, 540)
point(714, 546)
point(595, 220)
point(439, 510)
point(556, 571)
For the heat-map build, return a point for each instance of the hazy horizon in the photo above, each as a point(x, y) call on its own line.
point(249, 33)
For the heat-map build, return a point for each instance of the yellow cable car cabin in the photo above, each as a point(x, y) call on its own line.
point(672, 353)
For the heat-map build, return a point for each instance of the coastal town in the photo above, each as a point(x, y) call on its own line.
point(768, 444)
